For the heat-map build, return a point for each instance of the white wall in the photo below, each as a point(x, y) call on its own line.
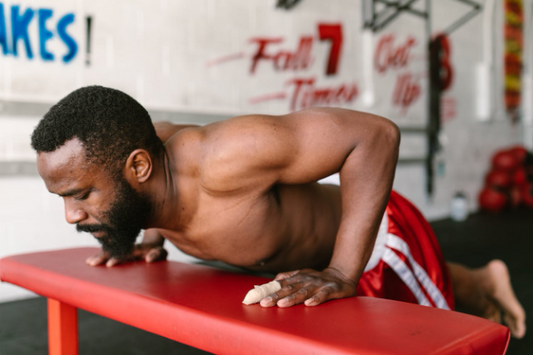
point(190, 61)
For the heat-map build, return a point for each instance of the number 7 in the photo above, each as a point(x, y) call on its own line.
point(332, 32)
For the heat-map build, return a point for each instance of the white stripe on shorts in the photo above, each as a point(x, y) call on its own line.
point(405, 274)
point(433, 291)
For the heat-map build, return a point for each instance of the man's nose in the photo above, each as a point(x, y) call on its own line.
point(73, 212)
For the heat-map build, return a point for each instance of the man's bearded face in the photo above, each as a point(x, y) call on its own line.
point(125, 217)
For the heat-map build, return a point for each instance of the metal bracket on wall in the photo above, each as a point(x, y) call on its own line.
point(412, 130)
point(287, 4)
point(376, 19)
point(476, 8)
point(377, 14)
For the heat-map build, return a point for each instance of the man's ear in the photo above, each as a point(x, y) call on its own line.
point(139, 166)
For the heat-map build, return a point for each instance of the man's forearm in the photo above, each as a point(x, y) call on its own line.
point(153, 237)
point(366, 181)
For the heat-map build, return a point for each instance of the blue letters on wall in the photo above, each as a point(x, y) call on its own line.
point(44, 33)
point(3, 33)
point(20, 42)
point(19, 28)
point(69, 41)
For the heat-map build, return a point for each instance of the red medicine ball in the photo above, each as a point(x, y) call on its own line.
point(505, 160)
point(516, 196)
point(519, 176)
point(498, 178)
point(519, 152)
point(492, 200)
point(527, 195)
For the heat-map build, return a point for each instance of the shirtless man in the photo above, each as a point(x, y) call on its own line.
point(244, 191)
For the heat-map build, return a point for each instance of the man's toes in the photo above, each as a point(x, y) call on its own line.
point(517, 326)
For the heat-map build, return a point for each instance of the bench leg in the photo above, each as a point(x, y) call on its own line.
point(62, 328)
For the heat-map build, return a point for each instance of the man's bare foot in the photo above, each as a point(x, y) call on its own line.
point(495, 281)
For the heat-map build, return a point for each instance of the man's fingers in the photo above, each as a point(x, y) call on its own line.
point(97, 259)
point(286, 291)
point(140, 252)
point(310, 287)
point(152, 255)
point(156, 254)
point(294, 298)
point(269, 301)
point(112, 262)
point(321, 296)
point(302, 296)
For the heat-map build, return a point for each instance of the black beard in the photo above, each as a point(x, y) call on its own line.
point(127, 216)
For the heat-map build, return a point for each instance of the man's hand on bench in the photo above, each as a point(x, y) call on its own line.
point(145, 251)
point(310, 287)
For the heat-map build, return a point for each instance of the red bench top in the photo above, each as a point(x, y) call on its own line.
point(201, 306)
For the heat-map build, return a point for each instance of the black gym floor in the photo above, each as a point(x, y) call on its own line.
point(474, 242)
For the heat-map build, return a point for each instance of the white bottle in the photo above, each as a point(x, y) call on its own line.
point(459, 207)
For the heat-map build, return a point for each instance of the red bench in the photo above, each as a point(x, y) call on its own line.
point(201, 306)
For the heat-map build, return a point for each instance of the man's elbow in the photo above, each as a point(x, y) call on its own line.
point(389, 132)
point(393, 131)
point(388, 139)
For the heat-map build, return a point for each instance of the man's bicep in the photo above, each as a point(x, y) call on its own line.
point(322, 141)
point(244, 152)
point(292, 149)
point(325, 137)
point(297, 148)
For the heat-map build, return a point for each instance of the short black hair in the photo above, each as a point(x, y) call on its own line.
point(109, 123)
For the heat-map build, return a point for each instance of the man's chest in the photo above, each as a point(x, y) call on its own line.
point(240, 230)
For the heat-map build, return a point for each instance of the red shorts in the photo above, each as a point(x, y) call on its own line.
point(407, 263)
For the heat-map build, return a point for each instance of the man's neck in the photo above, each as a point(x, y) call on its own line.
point(168, 206)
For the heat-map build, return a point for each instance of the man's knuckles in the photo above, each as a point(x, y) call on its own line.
point(329, 289)
point(310, 287)
point(302, 291)
point(285, 275)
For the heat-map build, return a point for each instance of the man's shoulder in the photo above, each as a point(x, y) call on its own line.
point(226, 155)
point(217, 137)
